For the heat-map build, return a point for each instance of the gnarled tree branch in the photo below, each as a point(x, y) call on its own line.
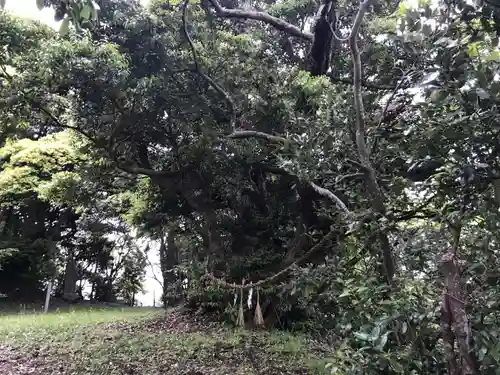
point(277, 23)
point(327, 193)
point(318, 189)
point(329, 236)
point(152, 172)
point(243, 134)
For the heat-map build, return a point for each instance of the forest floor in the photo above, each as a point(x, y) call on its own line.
point(147, 341)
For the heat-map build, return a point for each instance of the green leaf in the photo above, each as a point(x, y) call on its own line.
point(2, 3)
point(429, 78)
point(482, 353)
point(383, 341)
point(426, 30)
point(493, 56)
point(396, 366)
point(404, 327)
point(447, 42)
point(345, 293)
point(363, 336)
point(40, 4)
point(438, 96)
point(472, 49)
point(86, 12)
point(482, 94)
point(482, 78)
point(63, 30)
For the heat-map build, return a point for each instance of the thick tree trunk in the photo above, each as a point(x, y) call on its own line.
point(169, 259)
point(70, 280)
point(455, 323)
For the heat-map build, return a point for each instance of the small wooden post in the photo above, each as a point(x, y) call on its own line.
point(47, 297)
point(52, 254)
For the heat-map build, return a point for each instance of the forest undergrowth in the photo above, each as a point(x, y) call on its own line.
point(147, 341)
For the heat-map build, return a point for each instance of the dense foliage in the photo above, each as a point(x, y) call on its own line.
point(356, 195)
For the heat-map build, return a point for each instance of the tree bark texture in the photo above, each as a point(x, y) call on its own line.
point(70, 279)
point(455, 324)
point(169, 258)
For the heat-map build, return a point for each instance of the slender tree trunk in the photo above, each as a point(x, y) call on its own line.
point(47, 297)
point(52, 253)
point(93, 290)
point(375, 193)
point(163, 268)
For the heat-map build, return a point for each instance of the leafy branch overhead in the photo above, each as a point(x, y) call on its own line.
point(81, 13)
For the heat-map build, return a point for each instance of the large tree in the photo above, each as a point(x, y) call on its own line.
point(363, 146)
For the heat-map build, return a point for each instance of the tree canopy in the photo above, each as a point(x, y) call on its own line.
point(339, 160)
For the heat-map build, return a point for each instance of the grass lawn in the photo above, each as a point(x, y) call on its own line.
point(143, 341)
